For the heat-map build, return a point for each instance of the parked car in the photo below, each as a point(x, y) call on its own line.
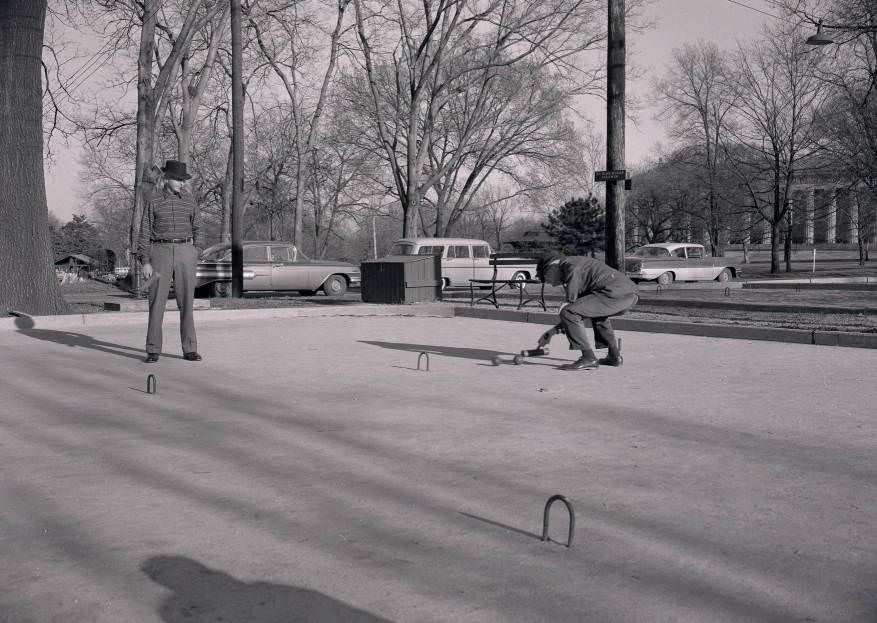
point(464, 259)
point(667, 262)
point(273, 266)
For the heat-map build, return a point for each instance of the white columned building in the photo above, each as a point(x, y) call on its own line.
point(852, 202)
point(809, 215)
point(831, 227)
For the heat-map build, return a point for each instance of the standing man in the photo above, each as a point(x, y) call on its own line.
point(169, 246)
point(593, 291)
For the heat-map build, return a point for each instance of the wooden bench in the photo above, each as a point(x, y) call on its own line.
point(498, 261)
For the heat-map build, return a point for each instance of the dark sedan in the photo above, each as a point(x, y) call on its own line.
point(273, 266)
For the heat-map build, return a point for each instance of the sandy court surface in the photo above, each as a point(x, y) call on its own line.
point(307, 471)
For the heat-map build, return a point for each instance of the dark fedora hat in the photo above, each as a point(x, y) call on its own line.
point(175, 170)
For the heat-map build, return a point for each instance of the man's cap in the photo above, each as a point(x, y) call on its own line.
point(545, 260)
point(175, 170)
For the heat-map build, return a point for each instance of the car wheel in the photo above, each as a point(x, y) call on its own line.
point(222, 289)
point(725, 275)
point(665, 279)
point(336, 285)
point(307, 292)
point(519, 276)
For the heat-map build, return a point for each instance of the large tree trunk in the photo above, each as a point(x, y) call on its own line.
point(27, 276)
point(145, 129)
point(774, 247)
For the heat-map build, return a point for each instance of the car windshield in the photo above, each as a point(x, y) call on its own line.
point(222, 253)
point(217, 253)
point(402, 248)
point(652, 252)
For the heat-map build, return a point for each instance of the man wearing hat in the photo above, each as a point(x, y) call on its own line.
point(169, 246)
point(594, 292)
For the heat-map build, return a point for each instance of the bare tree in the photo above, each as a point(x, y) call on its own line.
point(779, 95)
point(419, 58)
point(494, 210)
point(848, 124)
point(282, 38)
point(699, 100)
point(195, 78)
point(663, 201)
point(163, 53)
point(523, 138)
point(27, 280)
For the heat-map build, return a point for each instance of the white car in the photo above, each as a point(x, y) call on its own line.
point(466, 258)
point(666, 262)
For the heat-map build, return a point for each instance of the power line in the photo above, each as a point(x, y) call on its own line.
point(92, 66)
point(752, 8)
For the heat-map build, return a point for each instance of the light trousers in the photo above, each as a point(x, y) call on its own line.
point(175, 261)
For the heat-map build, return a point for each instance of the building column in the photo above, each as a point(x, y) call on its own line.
point(809, 216)
point(853, 203)
point(872, 226)
point(831, 233)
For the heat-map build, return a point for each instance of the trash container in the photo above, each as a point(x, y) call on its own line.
point(402, 279)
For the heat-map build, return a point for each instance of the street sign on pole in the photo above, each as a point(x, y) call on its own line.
point(610, 176)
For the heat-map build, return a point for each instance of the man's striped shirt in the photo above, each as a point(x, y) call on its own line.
point(166, 216)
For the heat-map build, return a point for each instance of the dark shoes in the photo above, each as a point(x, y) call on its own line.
point(616, 361)
point(153, 357)
point(614, 357)
point(583, 363)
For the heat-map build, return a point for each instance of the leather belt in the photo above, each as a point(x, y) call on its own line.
point(172, 240)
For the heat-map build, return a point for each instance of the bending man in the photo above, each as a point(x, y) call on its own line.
point(594, 292)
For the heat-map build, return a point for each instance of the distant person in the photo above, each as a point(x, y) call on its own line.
point(594, 292)
point(169, 246)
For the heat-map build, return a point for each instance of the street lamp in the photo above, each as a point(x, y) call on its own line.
point(819, 38)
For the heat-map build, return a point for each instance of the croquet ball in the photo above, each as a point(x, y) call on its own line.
point(518, 360)
point(496, 361)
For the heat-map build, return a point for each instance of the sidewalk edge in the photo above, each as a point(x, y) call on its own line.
point(795, 336)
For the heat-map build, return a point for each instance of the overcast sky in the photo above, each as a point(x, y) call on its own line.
point(675, 22)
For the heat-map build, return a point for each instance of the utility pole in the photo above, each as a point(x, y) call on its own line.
point(615, 77)
point(237, 176)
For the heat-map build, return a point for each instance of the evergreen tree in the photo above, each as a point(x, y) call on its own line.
point(578, 227)
point(78, 236)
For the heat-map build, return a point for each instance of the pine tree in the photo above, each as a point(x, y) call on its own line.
point(578, 227)
point(78, 236)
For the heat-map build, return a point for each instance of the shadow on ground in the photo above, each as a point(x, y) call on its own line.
point(200, 594)
point(448, 351)
point(26, 326)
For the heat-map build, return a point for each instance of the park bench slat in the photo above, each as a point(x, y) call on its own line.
point(498, 260)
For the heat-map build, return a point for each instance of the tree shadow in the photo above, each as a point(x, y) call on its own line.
point(26, 326)
point(200, 594)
